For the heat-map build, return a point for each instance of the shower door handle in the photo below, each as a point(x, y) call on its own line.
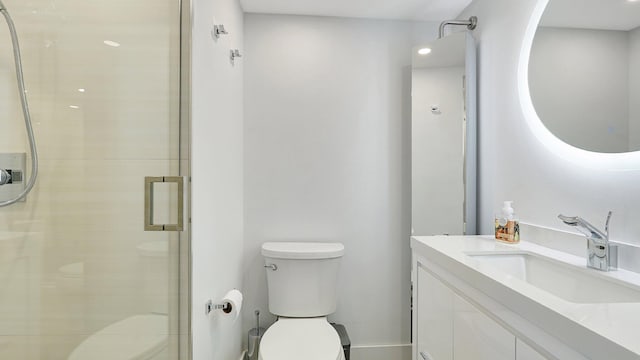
point(149, 181)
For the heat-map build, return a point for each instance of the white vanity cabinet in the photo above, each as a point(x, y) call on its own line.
point(476, 336)
point(450, 328)
point(434, 318)
point(468, 308)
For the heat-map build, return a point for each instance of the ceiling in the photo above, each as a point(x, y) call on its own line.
point(424, 10)
point(593, 14)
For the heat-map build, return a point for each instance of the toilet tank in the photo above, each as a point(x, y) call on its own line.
point(302, 277)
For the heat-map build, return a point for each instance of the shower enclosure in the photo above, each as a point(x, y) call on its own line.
point(81, 275)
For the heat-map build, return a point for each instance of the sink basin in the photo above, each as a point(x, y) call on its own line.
point(571, 283)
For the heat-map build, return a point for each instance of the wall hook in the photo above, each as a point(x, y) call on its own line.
point(234, 53)
point(218, 30)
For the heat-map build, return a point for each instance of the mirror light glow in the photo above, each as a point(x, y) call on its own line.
point(600, 161)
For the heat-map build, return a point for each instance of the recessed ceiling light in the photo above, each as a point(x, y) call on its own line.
point(633, 1)
point(424, 51)
point(81, 90)
point(74, 106)
point(111, 43)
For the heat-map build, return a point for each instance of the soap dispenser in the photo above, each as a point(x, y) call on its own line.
point(507, 226)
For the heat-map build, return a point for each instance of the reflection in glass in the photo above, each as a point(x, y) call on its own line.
point(443, 136)
point(583, 77)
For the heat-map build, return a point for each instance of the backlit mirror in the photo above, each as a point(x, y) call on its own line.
point(443, 136)
point(584, 73)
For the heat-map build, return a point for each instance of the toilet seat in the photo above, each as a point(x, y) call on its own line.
point(301, 338)
point(138, 337)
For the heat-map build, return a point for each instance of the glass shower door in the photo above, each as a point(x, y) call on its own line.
point(80, 278)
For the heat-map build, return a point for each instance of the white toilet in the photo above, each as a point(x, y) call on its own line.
point(302, 279)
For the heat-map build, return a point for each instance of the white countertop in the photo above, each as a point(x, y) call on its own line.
point(609, 328)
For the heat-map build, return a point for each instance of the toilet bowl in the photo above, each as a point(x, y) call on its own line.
point(302, 282)
point(296, 338)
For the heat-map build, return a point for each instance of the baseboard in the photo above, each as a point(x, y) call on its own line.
point(381, 352)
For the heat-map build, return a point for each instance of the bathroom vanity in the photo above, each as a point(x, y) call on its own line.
point(475, 298)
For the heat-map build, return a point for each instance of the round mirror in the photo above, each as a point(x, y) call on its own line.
point(584, 73)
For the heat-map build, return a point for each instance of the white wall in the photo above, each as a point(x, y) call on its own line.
point(327, 149)
point(520, 167)
point(217, 148)
point(437, 184)
point(593, 86)
point(634, 89)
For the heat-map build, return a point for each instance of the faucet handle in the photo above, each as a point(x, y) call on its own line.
point(606, 225)
point(569, 220)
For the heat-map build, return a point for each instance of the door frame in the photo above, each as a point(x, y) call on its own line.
point(185, 350)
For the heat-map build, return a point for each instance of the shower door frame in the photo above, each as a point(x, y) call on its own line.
point(185, 337)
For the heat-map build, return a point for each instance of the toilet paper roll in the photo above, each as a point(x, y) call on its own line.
point(234, 300)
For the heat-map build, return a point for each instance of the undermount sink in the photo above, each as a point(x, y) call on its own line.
point(569, 282)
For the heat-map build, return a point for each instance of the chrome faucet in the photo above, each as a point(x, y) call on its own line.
point(601, 253)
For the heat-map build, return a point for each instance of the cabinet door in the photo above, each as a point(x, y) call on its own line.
point(526, 352)
point(478, 337)
point(434, 316)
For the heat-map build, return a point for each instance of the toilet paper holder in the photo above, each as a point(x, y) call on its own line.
point(230, 304)
point(226, 307)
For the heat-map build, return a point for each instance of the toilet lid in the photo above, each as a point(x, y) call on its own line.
point(302, 250)
point(138, 337)
point(295, 339)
